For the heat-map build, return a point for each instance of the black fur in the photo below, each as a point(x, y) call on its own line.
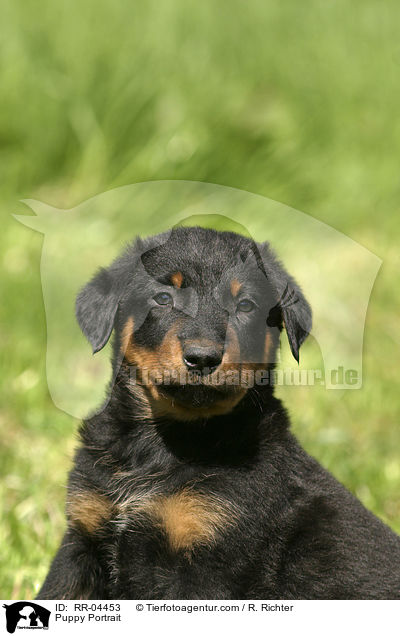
point(296, 533)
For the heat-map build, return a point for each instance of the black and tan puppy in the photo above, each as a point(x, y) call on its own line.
point(188, 484)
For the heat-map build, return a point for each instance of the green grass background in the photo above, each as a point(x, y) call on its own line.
point(295, 101)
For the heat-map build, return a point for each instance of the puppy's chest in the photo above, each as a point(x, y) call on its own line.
point(177, 522)
point(180, 521)
point(166, 541)
point(164, 545)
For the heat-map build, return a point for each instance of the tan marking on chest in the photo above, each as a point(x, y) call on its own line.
point(189, 518)
point(89, 510)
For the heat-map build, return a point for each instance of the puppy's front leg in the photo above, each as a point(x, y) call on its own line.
point(76, 571)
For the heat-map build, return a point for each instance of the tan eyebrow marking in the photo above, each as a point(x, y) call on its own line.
point(177, 279)
point(235, 287)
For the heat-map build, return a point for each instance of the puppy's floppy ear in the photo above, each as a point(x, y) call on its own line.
point(296, 313)
point(291, 308)
point(98, 302)
point(96, 306)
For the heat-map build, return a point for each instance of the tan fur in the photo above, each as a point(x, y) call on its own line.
point(187, 518)
point(177, 279)
point(89, 510)
point(268, 348)
point(169, 351)
point(128, 349)
point(127, 334)
point(235, 287)
point(168, 357)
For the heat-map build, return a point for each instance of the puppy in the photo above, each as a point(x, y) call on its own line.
point(188, 484)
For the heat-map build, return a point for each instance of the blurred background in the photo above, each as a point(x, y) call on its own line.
point(296, 102)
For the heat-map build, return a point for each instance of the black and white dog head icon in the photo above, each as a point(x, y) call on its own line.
point(26, 614)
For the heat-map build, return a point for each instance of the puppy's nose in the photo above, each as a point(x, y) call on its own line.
point(202, 358)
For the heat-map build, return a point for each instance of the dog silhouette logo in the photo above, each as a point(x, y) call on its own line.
point(336, 273)
point(26, 615)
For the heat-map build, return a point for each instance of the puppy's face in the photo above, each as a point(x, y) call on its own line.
point(196, 314)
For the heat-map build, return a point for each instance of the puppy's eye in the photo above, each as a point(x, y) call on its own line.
point(245, 305)
point(163, 298)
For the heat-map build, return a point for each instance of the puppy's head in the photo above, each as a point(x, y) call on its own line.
point(196, 314)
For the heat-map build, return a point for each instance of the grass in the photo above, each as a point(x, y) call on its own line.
point(297, 102)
